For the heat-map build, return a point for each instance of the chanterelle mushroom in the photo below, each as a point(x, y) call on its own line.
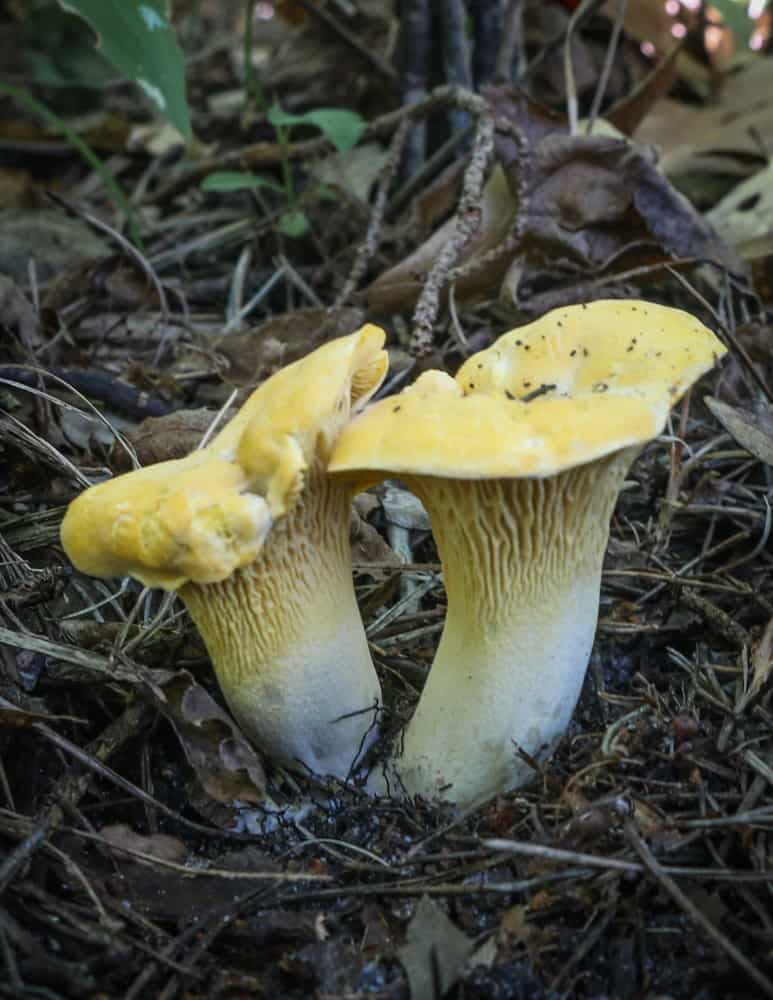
point(519, 460)
point(254, 536)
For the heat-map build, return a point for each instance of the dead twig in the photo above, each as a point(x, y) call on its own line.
point(696, 915)
point(369, 246)
point(467, 220)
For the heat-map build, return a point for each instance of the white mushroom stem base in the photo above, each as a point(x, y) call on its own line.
point(287, 643)
point(522, 567)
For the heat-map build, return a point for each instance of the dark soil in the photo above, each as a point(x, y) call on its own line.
point(635, 865)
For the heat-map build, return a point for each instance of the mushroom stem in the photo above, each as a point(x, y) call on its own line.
point(522, 566)
point(287, 642)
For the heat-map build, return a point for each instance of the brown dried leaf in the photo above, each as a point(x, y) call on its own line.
point(438, 199)
point(255, 355)
point(158, 439)
point(594, 199)
point(225, 763)
point(433, 945)
point(533, 120)
point(756, 341)
point(121, 280)
point(597, 202)
point(157, 845)
point(316, 73)
point(753, 431)
point(591, 822)
point(630, 111)
point(645, 21)
point(126, 283)
point(543, 22)
point(590, 202)
point(399, 287)
point(154, 891)
point(648, 821)
point(367, 544)
point(738, 122)
point(378, 936)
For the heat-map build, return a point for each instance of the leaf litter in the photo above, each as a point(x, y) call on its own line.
point(637, 862)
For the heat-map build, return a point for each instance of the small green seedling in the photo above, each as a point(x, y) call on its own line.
point(342, 127)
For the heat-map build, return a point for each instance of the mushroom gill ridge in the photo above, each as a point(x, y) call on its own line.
point(515, 539)
point(254, 536)
point(519, 460)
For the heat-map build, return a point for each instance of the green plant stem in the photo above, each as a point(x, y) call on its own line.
point(88, 154)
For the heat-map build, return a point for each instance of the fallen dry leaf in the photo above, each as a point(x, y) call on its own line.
point(753, 431)
point(645, 21)
point(285, 338)
point(159, 439)
point(756, 341)
point(434, 952)
point(629, 112)
point(582, 205)
point(367, 544)
point(597, 202)
point(152, 890)
point(157, 845)
point(225, 763)
point(399, 287)
point(736, 124)
point(332, 74)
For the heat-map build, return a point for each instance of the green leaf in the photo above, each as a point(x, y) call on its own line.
point(342, 127)
point(228, 180)
point(277, 117)
point(736, 19)
point(135, 36)
point(58, 49)
point(293, 224)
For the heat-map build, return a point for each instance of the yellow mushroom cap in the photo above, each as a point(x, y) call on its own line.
point(187, 519)
point(295, 417)
point(577, 384)
point(201, 517)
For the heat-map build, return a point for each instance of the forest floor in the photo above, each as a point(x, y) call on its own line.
point(134, 860)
